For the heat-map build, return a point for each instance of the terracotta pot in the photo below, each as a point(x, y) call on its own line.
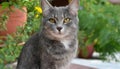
point(16, 17)
point(86, 52)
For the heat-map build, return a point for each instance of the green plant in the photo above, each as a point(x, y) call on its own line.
point(101, 22)
point(86, 48)
point(82, 43)
point(3, 21)
point(12, 46)
point(16, 3)
point(10, 52)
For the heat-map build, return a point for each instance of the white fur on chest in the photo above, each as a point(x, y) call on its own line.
point(66, 43)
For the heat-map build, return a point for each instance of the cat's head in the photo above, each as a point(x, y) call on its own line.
point(60, 22)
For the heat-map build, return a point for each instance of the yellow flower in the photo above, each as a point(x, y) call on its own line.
point(38, 9)
point(36, 15)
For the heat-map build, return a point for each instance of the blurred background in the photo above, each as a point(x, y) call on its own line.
point(98, 35)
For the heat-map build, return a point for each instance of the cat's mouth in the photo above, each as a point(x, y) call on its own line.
point(58, 34)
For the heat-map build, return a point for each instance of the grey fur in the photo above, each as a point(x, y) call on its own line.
point(50, 48)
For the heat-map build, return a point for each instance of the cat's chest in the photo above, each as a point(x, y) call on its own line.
point(66, 43)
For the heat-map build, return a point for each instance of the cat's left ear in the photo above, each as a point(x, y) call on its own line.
point(74, 7)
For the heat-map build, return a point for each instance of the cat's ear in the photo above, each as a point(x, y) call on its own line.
point(45, 6)
point(74, 7)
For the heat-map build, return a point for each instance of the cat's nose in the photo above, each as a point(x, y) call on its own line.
point(59, 28)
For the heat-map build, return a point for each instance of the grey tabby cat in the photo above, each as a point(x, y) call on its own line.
point(56, 44)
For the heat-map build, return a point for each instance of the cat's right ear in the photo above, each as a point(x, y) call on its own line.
point(74, 7)
point(45, 6)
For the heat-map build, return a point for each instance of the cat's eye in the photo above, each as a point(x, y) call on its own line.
point(52, 20)
point(66, 20)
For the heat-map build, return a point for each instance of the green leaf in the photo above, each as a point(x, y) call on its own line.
point(5, 5)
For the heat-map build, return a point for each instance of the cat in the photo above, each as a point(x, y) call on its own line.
point(55, 45)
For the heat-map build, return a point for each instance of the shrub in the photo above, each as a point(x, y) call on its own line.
point(100, 21)
point(13, 44)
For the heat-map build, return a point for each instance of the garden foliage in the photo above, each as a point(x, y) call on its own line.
point(99, 20)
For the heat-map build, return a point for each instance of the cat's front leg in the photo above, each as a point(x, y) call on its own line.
point(27, 59)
